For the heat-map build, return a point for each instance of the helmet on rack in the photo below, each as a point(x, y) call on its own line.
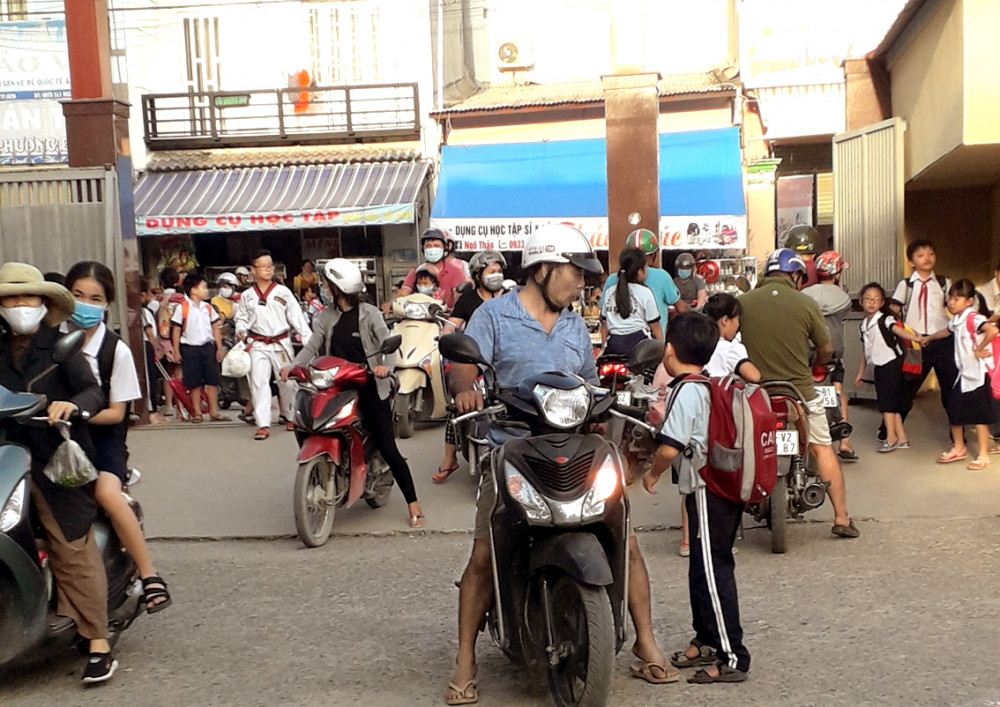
point(482, 260)
point(829, 264)
point(784, 260)
point(228, 278)
point(643, 239)
point(560, 243)
point(434, 234)
point(428, 270)
point(802, 239)
point(344, 275)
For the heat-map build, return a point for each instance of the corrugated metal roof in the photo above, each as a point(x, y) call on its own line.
point(263, 189)
point(507, 96)
point(183, 160)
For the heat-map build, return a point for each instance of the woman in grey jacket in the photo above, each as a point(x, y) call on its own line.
point(354, 331)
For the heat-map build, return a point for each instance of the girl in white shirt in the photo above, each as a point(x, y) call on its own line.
point(630, 314)
point(971, 400)
point(880, 333)
point(93, 287)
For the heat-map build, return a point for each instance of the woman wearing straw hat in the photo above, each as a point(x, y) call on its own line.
point(32, 309)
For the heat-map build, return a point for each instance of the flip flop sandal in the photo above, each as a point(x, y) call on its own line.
point(442, 475)
point(154, 588)
point(468, 695)
point(246, 418)
point(644, 670)
point(846, 531)
point(726, 674)
point(849, 455)
point(706, 656)
point(979, 464)
point(418, 521)
point(949, 457)
point(197, 419)
point(262, 433)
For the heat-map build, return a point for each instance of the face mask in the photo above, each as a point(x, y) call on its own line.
point(433, 255)
point(225, 292)
point(24, 320)
point(425, 289)
point(87, 315)
point(325, 298)
point(684, 274)
point(493, 282)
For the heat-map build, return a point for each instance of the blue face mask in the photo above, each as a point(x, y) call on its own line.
point(86, 315)
point(425, 289)
point(434, 255)
point(324, 297)
point(684, 274)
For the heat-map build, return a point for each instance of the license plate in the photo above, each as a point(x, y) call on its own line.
point(625, 398)
point(787, 442)
point(829, 394)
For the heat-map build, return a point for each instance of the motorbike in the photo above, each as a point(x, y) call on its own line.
point(421, 395)
point(29, 627)
point(558, 530)
point(832, 402)
point(337, 460)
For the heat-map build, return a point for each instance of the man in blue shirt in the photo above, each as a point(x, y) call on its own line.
point(521, 334)
point(665, 292)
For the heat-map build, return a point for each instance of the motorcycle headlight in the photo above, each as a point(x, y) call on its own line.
point(342, 414)
point(13, 509)
point(526, 495)
point(323, 379)
point(563, 408)
point(605, 484)
point(417, 310)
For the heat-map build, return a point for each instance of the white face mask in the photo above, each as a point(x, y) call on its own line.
point(225, 292)
point(24, 320)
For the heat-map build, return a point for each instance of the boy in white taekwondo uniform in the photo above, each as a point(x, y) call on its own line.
point(266, 315)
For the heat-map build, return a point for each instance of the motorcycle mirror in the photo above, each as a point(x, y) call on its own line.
point(461, 348)
point(646, 354)
point(391, 344)
point(67, 347)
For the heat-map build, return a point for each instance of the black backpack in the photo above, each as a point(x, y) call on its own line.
point(105, 367)
point(942, 282)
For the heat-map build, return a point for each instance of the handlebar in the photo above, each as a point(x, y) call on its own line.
point(491, 410)
point(641, 423)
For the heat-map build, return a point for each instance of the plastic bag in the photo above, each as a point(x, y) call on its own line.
point(236, 364)
point(70, 466)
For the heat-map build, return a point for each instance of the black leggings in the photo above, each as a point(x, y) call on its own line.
point(377, 415)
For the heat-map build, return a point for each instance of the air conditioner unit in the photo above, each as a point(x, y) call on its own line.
point(514, 54)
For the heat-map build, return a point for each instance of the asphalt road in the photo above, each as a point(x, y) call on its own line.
point(906, 615)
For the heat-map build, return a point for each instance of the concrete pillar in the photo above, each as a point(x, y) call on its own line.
point(761, 217)
point(631, 110)
point(97, 136)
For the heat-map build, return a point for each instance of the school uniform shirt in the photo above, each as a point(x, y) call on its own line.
point(971, 368)
point(991, 291)
point(877, 352)
point(644, 311)
point(197, 330)
point(686, 428)
point(926, 311)
point(727, 358)
point(148, 318)
point(124, 378)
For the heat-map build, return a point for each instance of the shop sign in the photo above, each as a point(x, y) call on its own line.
point(274, 220)
point(676, 232)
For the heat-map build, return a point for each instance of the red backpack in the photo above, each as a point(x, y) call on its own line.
point(742, 461)
point(993, 362)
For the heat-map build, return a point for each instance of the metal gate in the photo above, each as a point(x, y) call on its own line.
point(868, 227)
point(54, 217)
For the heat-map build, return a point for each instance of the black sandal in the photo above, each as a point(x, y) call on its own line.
point(706, 656)
point(726, 674)
point(154, 588)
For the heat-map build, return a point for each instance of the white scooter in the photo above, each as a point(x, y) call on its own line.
point(421, 395)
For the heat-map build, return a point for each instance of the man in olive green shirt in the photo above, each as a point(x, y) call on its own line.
point(779, 325)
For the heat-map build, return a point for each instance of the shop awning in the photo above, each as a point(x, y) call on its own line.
point(267, 198)
point(492, 195)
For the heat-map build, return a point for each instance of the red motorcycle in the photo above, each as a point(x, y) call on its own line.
point(338, 461)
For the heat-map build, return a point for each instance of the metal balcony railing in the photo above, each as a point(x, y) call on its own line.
point(284, 116)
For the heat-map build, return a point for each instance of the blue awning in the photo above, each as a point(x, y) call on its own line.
point(701, 176)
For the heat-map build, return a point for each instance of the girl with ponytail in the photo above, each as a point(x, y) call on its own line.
point(629, 313)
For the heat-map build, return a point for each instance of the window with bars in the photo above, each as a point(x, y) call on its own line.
point(13, 10)
point(202, 54)
point(344, 43)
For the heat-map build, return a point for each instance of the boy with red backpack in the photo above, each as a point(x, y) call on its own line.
point(717, 646)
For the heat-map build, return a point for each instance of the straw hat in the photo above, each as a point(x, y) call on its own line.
point(24, 279)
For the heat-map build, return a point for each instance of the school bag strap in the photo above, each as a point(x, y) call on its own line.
point(889, 336)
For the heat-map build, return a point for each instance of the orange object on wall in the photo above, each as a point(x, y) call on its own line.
point(303, 81)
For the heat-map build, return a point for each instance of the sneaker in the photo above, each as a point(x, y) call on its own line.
point(684, 550)
point(100, 668)
point(886, 447)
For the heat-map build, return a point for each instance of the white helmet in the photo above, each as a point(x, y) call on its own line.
point(560, 243)
point(243, 270)
point(228, 278)
point(345, 275)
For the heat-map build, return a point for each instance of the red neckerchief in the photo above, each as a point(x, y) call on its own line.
point(922, 299)
point(263, 295)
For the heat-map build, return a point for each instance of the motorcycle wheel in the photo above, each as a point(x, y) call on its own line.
point(581, 620)
point(404, 415)
point(313, 516)
point(777, 516)
point(383, 481)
